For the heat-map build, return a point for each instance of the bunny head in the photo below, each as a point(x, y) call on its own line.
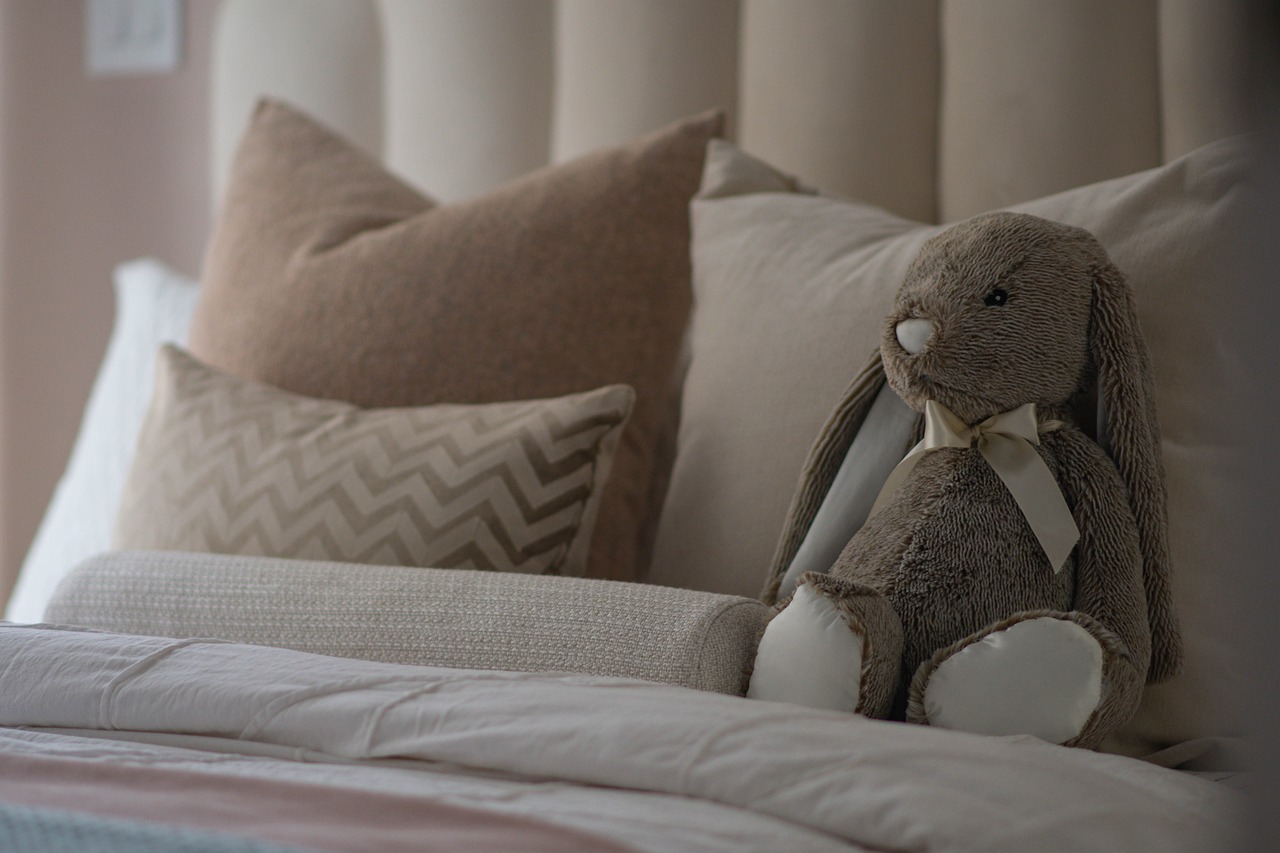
point(995, 313)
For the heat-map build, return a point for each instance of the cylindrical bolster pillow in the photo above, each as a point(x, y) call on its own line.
point(434, 617)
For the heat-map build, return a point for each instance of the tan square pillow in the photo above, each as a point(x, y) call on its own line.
point(791, 292)
point(328, 277)
point(230, 466)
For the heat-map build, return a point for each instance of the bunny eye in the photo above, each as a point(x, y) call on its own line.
point(999, 296)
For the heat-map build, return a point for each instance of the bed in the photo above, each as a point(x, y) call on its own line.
point(577, 243)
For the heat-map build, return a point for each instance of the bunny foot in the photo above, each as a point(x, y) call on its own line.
point(809, 656)
point(1040, 676)
point(836, 644)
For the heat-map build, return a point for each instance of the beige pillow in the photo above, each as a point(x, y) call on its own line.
point(230, 466)
point(791, 290)
point(328, 277)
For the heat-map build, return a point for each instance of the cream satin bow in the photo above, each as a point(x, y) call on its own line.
point(1006, 441)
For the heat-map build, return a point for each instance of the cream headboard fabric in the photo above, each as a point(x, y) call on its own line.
point(934, 109)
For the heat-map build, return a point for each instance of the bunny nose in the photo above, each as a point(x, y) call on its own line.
point(915, 334)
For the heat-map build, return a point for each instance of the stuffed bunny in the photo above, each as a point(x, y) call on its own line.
point(1013, 576)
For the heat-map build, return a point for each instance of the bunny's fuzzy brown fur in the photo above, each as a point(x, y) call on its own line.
point(1024, 311)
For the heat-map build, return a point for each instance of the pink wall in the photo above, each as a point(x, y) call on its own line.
point(93, 171)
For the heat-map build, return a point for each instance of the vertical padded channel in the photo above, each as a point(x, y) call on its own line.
point(1044, 96)
point(625, 68)
point(324, 56)
point(1203, 73)
point(845, 95)
point(468, 89)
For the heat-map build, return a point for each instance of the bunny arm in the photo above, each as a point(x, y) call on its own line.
point(1096, 654)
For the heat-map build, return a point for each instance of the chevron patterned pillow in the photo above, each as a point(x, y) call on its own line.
point(226, 465)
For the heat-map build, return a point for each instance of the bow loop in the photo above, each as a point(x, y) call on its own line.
point(1007, 441)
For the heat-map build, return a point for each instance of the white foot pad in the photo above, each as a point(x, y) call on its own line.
point(1040, 677)
point(809, 656)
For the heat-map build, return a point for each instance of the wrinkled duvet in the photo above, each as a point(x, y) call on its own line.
point(258, 745)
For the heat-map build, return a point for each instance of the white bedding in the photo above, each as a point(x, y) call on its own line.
point(645, 822)
point(652, 766)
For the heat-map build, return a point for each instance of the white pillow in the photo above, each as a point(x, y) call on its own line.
point(153, 305)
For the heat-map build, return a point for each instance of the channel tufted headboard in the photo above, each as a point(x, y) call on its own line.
point(933, 109)
point(737, 320)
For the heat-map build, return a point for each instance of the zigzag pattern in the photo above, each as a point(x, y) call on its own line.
point(229, 466)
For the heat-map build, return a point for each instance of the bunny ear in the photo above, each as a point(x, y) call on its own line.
point(1125, 395)
point(826, 473)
